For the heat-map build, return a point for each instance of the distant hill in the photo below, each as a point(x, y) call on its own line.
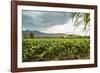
point(34, 32)
point(41, 34)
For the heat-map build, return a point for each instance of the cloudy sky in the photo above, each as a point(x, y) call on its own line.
point(49, 22)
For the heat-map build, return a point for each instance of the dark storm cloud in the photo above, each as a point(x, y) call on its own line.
point(38, 20)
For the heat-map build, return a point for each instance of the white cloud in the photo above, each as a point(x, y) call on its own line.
point(59, 29)
point(67, 28)
point(50, 22)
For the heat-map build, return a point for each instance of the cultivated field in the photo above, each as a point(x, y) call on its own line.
point(51, 49)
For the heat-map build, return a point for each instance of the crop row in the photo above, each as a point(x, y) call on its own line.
point(55, 49)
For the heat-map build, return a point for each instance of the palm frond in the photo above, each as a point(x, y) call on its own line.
point(79, 18)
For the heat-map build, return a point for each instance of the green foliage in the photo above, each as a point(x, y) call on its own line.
point(31, 35)
point(55, 49)
point(81, 18)
point(24, 36)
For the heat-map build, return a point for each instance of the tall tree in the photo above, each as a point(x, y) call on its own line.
point(31, 35)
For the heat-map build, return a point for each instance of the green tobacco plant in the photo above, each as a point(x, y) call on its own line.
point(55, 49)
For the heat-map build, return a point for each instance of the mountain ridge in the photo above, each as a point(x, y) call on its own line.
point(42, 34)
